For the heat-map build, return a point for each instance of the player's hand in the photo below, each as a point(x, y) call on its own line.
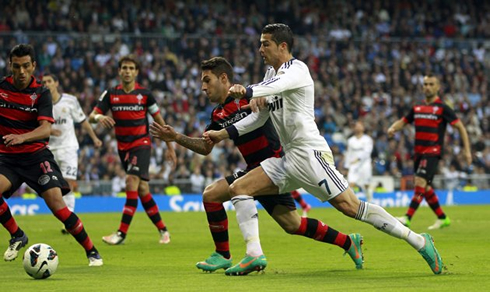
point(97, 143)
point(212, 137)
point(106, 121)
point(391, 132)
point(55, 132)
point(13, 140)
point(258, 103)
point(237, 91)
point(171, 156)
point(165, 133)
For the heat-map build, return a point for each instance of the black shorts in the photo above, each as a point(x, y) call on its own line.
point(38, 170)
point(426, 167)
point(136, 161)
point(269, 202)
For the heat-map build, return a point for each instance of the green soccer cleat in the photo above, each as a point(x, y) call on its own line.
point(430, 254)
point(440, 223)
point(214, 262)
point(355, 250)
point(247, 265)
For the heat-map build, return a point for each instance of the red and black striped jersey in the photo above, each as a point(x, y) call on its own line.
point(21, 111)
point(430, 121)
point(255, 146)
point(129, 111)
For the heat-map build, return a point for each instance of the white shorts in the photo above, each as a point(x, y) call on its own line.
point(309, 169)
point(67, 159)
point(361, 176)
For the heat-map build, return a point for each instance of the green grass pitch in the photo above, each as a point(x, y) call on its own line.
point(294, 263)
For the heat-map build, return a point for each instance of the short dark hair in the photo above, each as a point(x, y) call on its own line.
point(218, 65)
point(22, 50)
point(46, 74)
point(432, 75)
point(280, 33)
point(129, 58)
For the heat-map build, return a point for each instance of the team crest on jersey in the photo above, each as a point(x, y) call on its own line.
point(139, 97)
point(4, 95)
point(33, 98)
point(435, 109)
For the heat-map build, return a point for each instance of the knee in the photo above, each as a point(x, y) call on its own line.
point(420, 182)
point(210, 194)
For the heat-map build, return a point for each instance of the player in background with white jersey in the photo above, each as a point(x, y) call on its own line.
point(287, 96)
point(63, 141)
point(358, 160)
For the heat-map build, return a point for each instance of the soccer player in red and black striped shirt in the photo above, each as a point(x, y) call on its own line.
point(26, 116)
point(430, 120)
point(256, 146)
point(130, 103)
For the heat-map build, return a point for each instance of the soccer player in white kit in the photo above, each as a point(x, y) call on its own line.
point(358, 160)
point(63, 140)
point(287, 96)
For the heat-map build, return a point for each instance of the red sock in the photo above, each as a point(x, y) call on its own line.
point(129, 210)
point(152, 211)
point(318, 230)
point(75, 226)
point(298, 198)
point(6, 218)
point(218, 225)
point(417, 198)
point(433, 201)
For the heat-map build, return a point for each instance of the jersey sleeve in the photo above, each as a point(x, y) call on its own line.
point(288, 77)
point(103, 104)
point(77, 113)
point(410, 117)
point(153, 108)
point(449, 115)
point(248, 124)
point(45, 106)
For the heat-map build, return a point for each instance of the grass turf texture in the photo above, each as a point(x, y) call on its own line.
point(295, 263)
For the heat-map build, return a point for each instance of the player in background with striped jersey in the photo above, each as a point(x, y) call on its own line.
point(260, 144)
point(286, 97)
point(130, 103)
point(430, 120)
point(25, 124)
point(63, 141)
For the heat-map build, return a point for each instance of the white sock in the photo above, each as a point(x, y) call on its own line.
point(248, 220)
point(70, 201)
point(382, 220)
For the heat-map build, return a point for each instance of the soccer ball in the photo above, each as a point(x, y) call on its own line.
point(40, 261)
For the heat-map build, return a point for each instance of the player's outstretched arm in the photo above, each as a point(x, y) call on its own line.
point(397, 126)
point(91, 133)
point(168, 134)
point(466, 141)
point(170, 153)
point(41, 132)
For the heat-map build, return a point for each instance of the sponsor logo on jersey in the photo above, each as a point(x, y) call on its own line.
point(18, 107)
point(60, 121)
point(128, 108)
point(43, 179)
point(276, 104)
point(233, 120)
point(426, 116)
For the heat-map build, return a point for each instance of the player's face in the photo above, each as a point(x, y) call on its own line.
point(269, 50)
point(49, 82)
point(128, 72)
point(22, 69)
point(358, 128)
point(213, 87)
point(431, 86)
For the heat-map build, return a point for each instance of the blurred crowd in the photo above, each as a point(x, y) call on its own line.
point(367, 58)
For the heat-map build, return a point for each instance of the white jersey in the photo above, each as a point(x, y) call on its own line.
point(66, 112)
point(358, 155)
point(290, 95)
